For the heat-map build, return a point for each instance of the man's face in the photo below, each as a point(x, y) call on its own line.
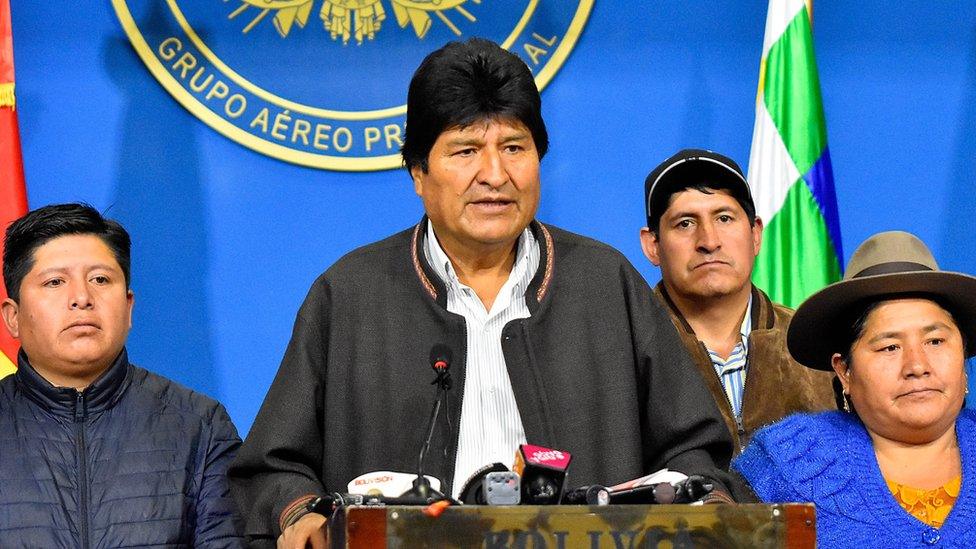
point(482, 185)
point(74, 311)
point(704, 246)
point(907, 376)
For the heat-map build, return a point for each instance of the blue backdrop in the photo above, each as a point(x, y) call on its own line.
point(227, 241)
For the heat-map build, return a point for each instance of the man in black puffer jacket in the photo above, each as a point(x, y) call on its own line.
point(94, 451)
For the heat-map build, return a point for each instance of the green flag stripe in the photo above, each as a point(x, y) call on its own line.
point(797, 257)
point(792, 93)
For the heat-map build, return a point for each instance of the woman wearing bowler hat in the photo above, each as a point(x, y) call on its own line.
point(898, 467)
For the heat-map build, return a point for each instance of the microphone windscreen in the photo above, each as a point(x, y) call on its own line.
point(440, 357)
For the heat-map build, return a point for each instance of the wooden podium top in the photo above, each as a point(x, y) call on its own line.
point(559, 527)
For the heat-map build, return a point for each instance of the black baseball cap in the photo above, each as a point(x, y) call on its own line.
point(690, 168)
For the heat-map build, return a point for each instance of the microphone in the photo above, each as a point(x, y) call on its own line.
point(472, 493)
point(543, 472)
point(596, 494)
point(440, 361)
point(492, 485)
point(591, 494)
point(662, 487)
point(692, 489)
point(385, 483)
point(502, 488)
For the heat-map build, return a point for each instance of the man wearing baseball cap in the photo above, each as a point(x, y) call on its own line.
point(703, 233)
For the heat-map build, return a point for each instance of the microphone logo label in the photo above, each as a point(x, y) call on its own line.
point(547, 457)
point(374, 480)
point(551, 455)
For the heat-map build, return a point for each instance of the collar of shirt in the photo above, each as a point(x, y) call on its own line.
point(737, 360)
point(732, 371)
point(526, 263)
point(746, 327)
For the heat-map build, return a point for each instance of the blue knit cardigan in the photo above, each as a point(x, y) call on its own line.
point(828, 459)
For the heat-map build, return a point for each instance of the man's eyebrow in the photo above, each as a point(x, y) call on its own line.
point(455, 141)
point(51, 270)
point(680, 213)
point(517, 136)
point(461, 141)
point(62, 269)
point(935, 326)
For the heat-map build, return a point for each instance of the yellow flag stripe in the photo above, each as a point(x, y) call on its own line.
point(6, 366)
point(7, 97)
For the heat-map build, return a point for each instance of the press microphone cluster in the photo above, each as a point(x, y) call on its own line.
point(663, 487)
point(538, 476)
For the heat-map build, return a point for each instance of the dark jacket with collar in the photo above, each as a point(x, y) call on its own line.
point(597, 370)
point(134, 460)
point(776, 385)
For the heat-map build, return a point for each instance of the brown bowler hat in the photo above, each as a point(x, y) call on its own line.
point(885, 266)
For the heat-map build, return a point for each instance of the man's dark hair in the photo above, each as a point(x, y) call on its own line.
point(30, 232)
point(463, 83)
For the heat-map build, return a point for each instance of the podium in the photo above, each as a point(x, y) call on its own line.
point(564, 527)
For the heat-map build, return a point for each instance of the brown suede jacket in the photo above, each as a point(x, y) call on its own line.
point(776, 385)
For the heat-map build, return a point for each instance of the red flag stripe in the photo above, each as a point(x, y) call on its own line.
point(6, 44)
point(13, 192)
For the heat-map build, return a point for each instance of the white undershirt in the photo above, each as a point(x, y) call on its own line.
point(490, 428)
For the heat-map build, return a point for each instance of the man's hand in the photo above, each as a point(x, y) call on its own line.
point(307, 531)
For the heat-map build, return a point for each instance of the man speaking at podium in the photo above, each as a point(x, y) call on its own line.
point(556, 339)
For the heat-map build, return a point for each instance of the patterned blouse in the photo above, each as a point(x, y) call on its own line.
point(929, 506)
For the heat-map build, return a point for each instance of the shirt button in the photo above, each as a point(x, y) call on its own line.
point(931, 536)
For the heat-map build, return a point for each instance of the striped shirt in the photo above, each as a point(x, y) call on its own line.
point(490, 428)
point(732, 371)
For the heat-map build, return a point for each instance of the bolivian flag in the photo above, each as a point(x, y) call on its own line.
point(789, 165)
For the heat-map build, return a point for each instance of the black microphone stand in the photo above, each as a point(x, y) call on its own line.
point(422, 491)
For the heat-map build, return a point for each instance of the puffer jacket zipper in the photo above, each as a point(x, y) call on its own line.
point(80, 416)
